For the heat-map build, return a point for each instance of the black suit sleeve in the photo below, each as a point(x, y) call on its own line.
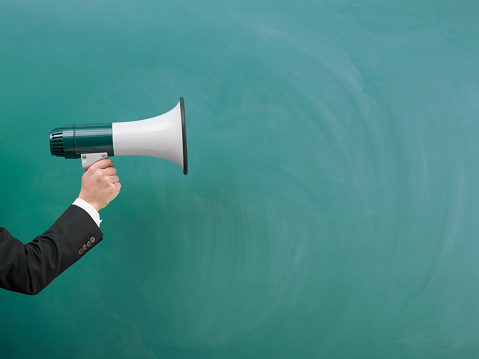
point(28, 268)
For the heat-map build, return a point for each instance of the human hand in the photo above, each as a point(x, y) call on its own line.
point(100, 184)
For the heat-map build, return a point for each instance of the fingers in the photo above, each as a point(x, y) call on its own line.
point(117, 189)
point(105, 168)
point(110, 171)
point(102, 164)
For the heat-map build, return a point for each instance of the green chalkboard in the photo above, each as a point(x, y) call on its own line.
point(331, 208)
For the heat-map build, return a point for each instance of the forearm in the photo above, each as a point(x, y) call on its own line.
point(31, 267)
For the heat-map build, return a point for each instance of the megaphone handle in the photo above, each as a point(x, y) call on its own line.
point(88, 159)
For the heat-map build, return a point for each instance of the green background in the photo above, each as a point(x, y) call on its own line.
point(332, 204)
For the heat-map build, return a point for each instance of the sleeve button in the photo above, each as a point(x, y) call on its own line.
point(84, 247)
point(88, 244)
point(92, 239)
point(80, 251)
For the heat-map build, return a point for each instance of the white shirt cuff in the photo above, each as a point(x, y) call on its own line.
point(89, 209)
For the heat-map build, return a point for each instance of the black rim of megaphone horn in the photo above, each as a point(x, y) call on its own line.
point(183, 125)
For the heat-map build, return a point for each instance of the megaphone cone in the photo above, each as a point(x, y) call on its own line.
point(162, 136)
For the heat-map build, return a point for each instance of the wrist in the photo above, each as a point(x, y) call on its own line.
point(91, 203)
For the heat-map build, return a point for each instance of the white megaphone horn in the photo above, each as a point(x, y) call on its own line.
point(162, 136)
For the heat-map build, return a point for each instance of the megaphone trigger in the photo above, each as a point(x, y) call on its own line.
point(87, 159)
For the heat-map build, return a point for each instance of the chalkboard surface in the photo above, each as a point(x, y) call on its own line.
point(331, 208)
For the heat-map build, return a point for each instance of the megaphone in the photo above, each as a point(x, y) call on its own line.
point(162, 136)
